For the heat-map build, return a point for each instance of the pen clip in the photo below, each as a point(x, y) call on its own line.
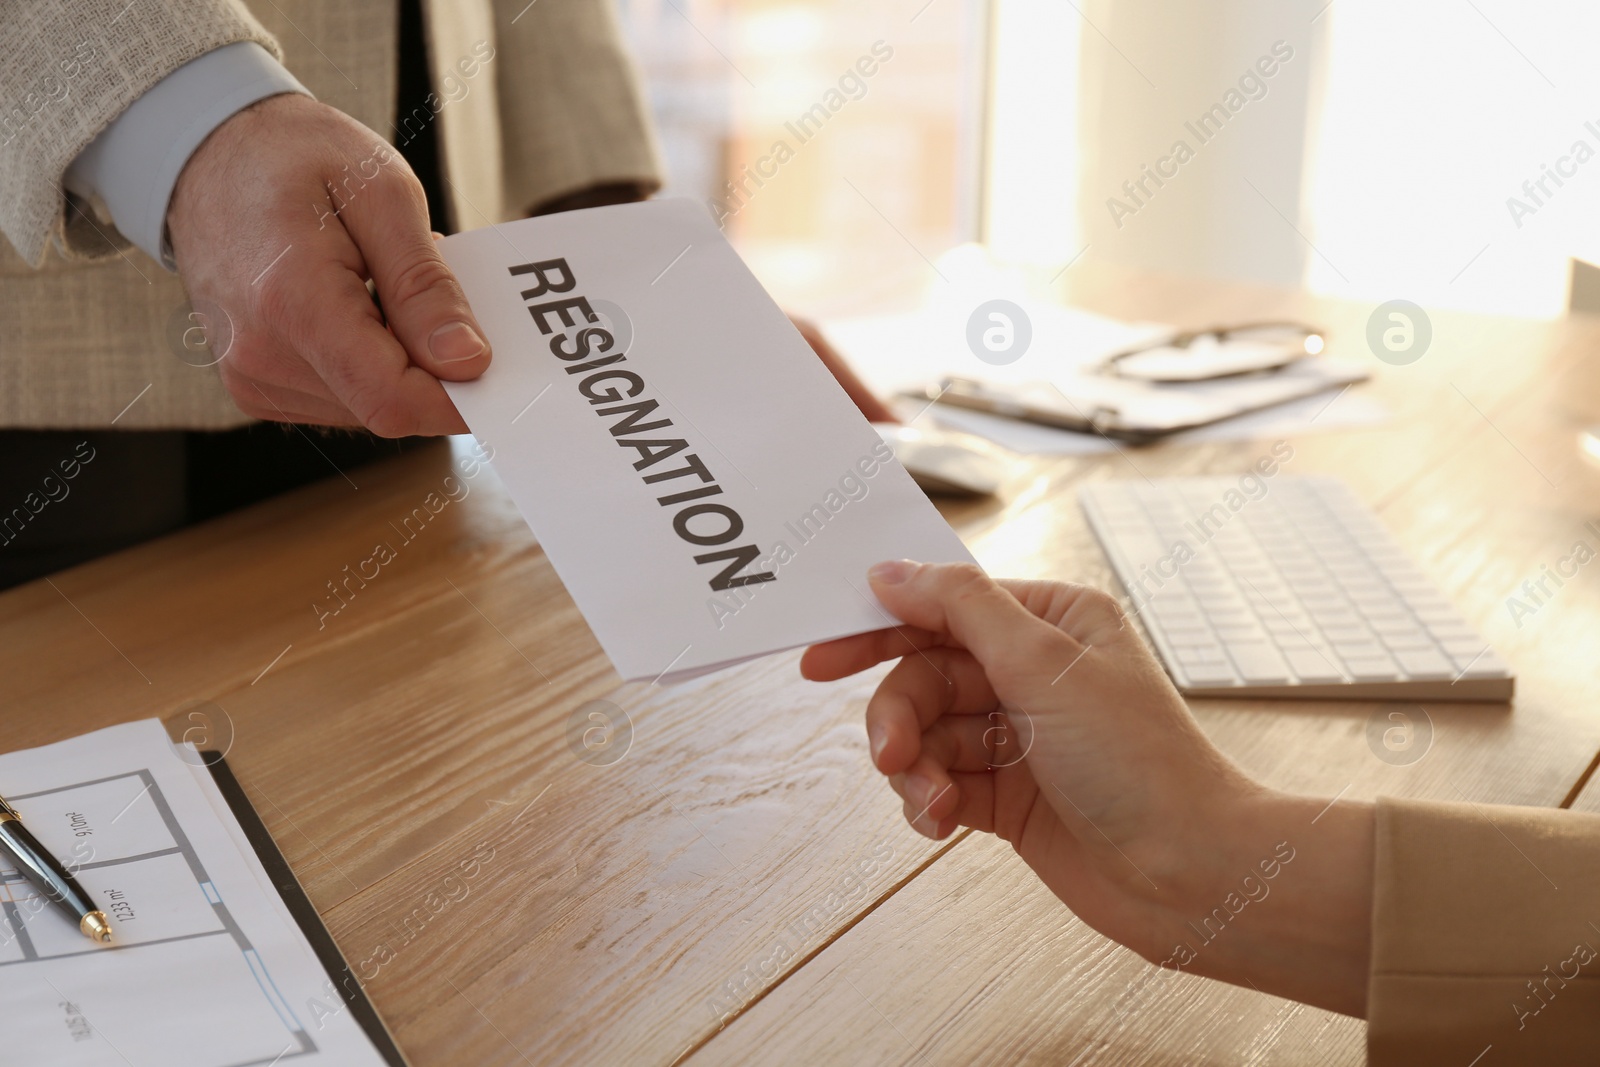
point(7, 812)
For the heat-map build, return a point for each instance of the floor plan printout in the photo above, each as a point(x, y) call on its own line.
point(207, 968)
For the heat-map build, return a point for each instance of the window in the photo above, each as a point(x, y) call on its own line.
point(1441, 128)
point(837, 139)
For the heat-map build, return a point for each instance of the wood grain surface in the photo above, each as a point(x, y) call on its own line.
point(1479, 479)
point(728, 882)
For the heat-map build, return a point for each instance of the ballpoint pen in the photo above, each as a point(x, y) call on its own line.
point(46, 873)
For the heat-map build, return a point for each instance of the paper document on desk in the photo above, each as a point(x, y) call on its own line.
point(918, 353)
point(704, 488)
point(207, 967)
point(1131, 409)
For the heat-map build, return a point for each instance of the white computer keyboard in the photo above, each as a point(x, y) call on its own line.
point(1299, 593)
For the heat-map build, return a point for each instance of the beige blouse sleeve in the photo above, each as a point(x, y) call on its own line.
point(1486, 936)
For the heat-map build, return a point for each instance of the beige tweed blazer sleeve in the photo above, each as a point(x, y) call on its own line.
point(70, 68)
point(552, 105)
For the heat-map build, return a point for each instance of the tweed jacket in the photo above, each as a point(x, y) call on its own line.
point(85, 317)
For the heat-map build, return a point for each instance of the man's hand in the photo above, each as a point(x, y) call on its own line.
point(865, 399)
point(279, 219)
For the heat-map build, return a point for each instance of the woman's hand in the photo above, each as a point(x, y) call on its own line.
point(1034, 711)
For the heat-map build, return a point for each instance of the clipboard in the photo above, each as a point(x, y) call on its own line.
point(1137, 411)
point(304, 913)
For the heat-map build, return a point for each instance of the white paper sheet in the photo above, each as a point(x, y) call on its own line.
point(207, 968)
point(731, 402)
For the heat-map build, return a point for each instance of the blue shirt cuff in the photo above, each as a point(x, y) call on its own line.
point(133, 165)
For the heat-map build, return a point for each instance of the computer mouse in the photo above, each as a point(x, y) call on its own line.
point(947, 462)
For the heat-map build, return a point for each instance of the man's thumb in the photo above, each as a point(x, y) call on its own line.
point(421, 298)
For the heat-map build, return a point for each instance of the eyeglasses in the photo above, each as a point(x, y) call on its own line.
point(1218, 352)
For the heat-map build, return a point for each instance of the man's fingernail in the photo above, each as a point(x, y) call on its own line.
point(875, 741)
point(891, 572)
point(455, 342)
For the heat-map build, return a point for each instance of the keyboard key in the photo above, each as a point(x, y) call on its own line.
point(1313, 668)
point(1383, 610)
point(1442, 618)
point(1487, 665)
point(1208, 675)
point(1462, 649)
point(1372, 669)
point(1259, 664)
point(1472, 651)
point(1427, 666)
point(1304, 585)
point(1411, 641)
point(1180, 616)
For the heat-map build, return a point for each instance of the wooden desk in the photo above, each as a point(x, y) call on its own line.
point(740, 887)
